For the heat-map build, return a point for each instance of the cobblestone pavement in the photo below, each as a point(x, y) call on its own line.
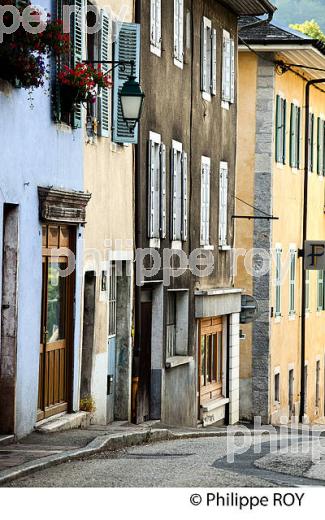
point(185, 463)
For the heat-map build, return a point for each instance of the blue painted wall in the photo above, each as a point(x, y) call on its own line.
point(35, 152)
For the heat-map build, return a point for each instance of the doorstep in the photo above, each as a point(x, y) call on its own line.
point(6, 439)
point(64, 422)
point(213, 411)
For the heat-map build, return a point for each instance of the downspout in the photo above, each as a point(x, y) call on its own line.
point(304, 238)
point(259, 23)
point(138, 244)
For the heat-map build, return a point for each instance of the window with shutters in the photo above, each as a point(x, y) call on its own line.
point(205, 202)
point(155, 27)
point(292, 283)
point(112, 299)
point(317, 393)
point(223, 205)
point(179, 190)
point(208, 59)
point(277, 387)
point(295, 134)
point(177, 324)
point(320, 291)
point(179, 33)
point(157, 204)
point(280, 130)
point(278, 275)
point(92, 54)
point(77, 36)
point(307, 306)
point(126, 48)
point(228, 68)
point(320, 146)
point(311, 143)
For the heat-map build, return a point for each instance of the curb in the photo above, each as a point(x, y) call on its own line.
point(111, 442)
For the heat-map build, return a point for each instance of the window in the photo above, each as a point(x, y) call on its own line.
point(205, 202)
point(179, 33)
point(112, 300)
point(295, 121)
point(178, 192)
point(291, 392)
point(277, 387)
point(317, 384)
point(320, 146)
point(280, 130)
point(278, 254)
point(126, 48)
point(292, 283)
point(60, 112)
point(211, 354)
point(177, 323)
point(307, 307)
point(156, 187)
point(311, 143)
point(208, 59)
point(155, 27)
point(320, 291)
point(228, 68)
point(223, 204)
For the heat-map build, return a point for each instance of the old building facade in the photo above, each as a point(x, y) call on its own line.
point(270, 182)
point(186, 360)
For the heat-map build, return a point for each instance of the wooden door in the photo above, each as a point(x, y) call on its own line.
point(143, 393)
point(210, 359)
point(56, 323)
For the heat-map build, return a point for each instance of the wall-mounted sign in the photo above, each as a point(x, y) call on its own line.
point(314, 255)
point(249, 309)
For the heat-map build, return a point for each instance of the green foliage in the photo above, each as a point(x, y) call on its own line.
point(311, 28)
point(297, 11)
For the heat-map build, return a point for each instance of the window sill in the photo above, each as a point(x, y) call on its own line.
point(206, 96)
point(224, 248)
point(292, 317)
point(179, 64)
point(64, 128)
point(155, 50)
point(154, 243)
point(277, 319)
point(225, 105)
point(176, 245)
point(177, 361)
point(207, 248)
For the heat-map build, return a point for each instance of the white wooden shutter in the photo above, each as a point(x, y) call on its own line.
point(205, 202)
point(153, 26)
point(223, 204)
point(233, 71)
point(180, 30)
point(226, 67)
point(163, 194)
point(176, 29)
point(104, 94)
point(204, 47)
point(154, 189)
point(184, 198)
point(158, 24)
point(214, 62)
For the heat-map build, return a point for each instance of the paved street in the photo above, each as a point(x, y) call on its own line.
point(188, 463)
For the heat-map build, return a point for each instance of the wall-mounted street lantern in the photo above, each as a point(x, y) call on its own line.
point(131, 94)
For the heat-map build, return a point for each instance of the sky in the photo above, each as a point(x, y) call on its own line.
point(297, 11)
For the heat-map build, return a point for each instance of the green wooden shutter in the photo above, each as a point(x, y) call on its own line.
point(103, 108)
point(277, 129)
point(284, 131)
point(298, 136)
point(323, 147)
point(78, 36)
point(56, 103)
point(319, 145)
point(126, 48)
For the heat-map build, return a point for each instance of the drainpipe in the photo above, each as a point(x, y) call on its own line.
point(138, 244)
point(304, 238)
point(259, 23)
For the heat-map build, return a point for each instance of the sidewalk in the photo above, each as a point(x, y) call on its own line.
point(39, 450)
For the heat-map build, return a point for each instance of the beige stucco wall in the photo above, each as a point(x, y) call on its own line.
point(287, 205)
point(109, 178)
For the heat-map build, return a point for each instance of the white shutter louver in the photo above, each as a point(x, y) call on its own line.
point(163, 194)
point(184, 198)
point(214, 62)
point(153, 22)
point(232, 74)
point(226, 67)
point(223, 204)
point(104, 94)
point(205, 202)
point(78, 44)
point(154, 189)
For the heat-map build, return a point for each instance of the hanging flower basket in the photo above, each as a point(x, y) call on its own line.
point(80, 85)
point(24, 55)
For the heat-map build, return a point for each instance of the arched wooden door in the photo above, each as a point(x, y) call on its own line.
point(56, 323)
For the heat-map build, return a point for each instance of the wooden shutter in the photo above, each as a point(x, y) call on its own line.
point(163, 193)
point(205, 202)
point(78, 42)
point(204, 57)
point(233, 71)
point(284, 130)
point(298, 136)
point(180, 30)
point(126, 48)
point(176, 194)
point(319, 148)
point(176, 29)
point(223, 203)
point(214, 62)
point(311, 143)
point(293, 136)
point(323, 148)
point(153, 26)
point(226, 67)
point(184, 197)
point(154, 190)
point(57, 65)
point(277, 129)
point(104, 95)
point(158, 24)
